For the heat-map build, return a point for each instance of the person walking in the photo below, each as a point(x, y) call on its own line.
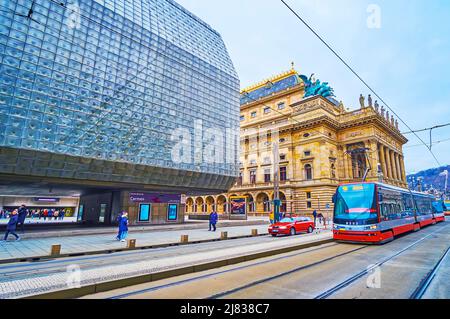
point(213, 218)
point(321, 218)
point(12, 226)
point(118, 221)
point(21, 217)
point(123, 228)
point(272, 217)
point(315, 216)
point(45, 214)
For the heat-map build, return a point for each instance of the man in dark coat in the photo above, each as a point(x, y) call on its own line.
point(23, 212)
point(118, 221)
point(213, 218)
point(12, 225)
point(315, 216)
point(123, 227)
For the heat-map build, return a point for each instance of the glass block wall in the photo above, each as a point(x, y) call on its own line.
point(112, 80)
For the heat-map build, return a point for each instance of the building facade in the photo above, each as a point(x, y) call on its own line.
point(93, 93)
point(321, 144)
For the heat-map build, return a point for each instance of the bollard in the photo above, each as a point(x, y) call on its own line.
point(56, 250)
point(224, 235)
point(131, 243)
point(254, 232)
point(184, 239)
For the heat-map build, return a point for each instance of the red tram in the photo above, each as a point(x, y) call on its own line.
point(447, 208)
point(376, 213)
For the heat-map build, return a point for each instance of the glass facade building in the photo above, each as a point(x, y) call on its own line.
point(112, 80)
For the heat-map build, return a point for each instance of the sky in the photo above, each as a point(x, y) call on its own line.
point(399, 47)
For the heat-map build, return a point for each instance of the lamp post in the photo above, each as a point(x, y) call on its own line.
point(276, 194)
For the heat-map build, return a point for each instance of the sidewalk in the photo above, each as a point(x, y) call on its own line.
point(38, 246)
point(59, 280)
point(78, 230)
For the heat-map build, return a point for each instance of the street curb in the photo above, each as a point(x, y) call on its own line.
point(127, 282)
point(118, 250)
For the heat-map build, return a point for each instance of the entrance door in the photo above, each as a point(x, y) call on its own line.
point(101, 218)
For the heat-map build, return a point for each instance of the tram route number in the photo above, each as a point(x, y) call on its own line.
point(228, 309)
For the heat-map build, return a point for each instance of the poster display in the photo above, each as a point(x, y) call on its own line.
point(238, 206)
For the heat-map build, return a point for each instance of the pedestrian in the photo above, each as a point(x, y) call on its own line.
point(118, 221)
point(315, 216)
point(62, 214)
point(272, 217)
point(56, 214)
point(45, 214)
point(123, 227)
point(21, 217)
point(12, 225)
point(213, 218)
point(321, 218)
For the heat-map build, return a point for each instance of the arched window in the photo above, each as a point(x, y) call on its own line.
point(308, 172)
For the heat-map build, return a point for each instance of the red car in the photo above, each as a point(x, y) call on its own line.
point(292, 226)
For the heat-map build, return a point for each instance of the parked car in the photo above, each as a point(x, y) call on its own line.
point(292, 226)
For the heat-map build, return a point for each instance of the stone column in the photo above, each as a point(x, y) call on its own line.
point(345, 163)
point(383, 161)
point(402, 167)
point(393, 166)
point(349, 166)
point(374, 158)
point(388, 163)
point(397, 164)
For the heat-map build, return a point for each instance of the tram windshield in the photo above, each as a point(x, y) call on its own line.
point(357, 204)
point(447, 205)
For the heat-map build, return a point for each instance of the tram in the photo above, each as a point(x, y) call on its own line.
point(372, 212)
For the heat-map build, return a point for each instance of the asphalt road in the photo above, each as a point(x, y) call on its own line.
point(395, 270)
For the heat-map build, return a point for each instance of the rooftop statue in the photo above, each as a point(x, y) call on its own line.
point(370, 100)
point(361, 101)
point(377, 106)
point(316, 87)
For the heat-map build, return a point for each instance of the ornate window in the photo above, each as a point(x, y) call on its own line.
point(333, 170)
point(308, 172)
point(253, 177)
point(283, 174)
point(267, 176)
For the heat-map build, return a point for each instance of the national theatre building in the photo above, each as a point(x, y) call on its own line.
point(321, 144)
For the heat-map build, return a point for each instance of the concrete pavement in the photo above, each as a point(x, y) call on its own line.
point(37, 247)
point(146, 263)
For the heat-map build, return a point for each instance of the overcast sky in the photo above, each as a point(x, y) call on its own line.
point(406, 59)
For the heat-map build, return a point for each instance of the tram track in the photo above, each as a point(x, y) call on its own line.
point(328, 257)
point(342, 284)
point(359, 275)
point(240, 268)
point(426, 282)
